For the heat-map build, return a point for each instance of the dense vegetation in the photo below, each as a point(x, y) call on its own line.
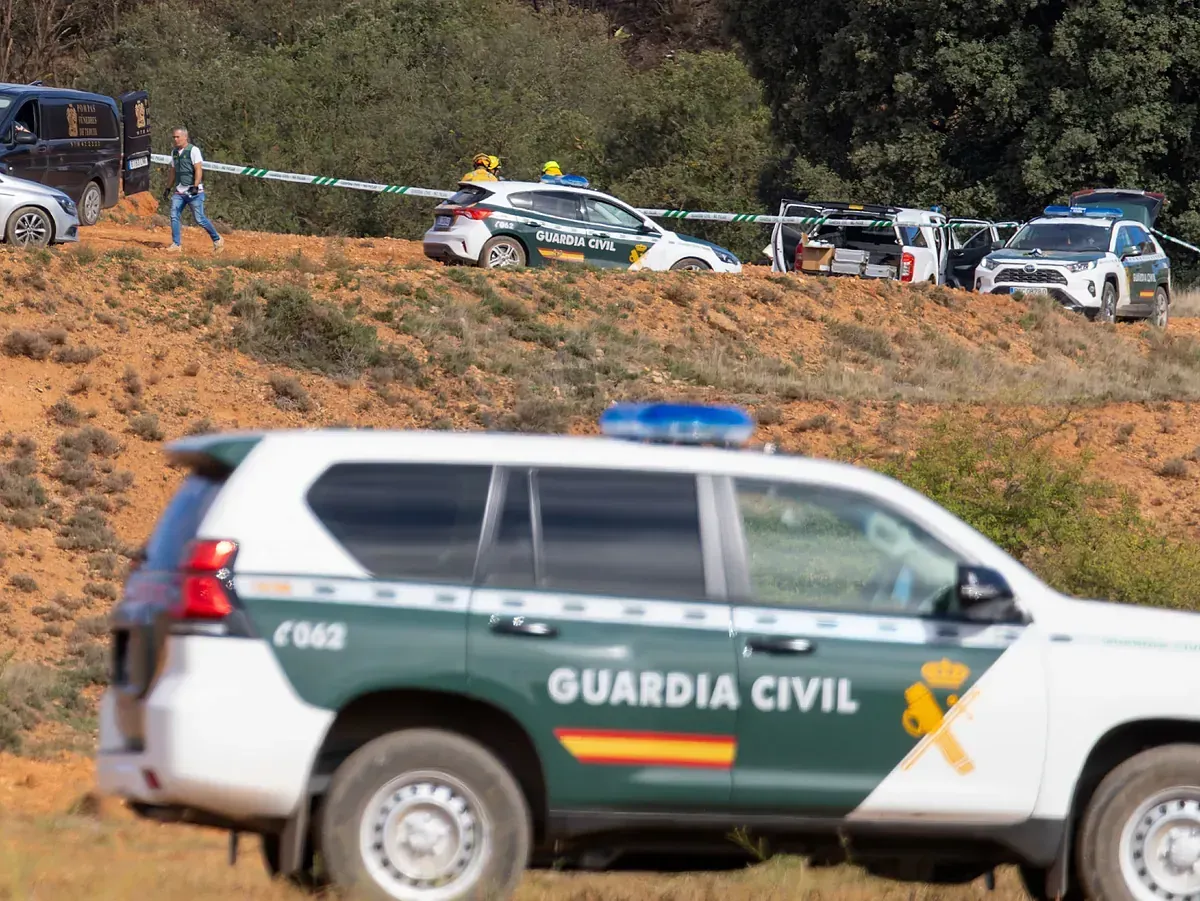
point(991, 107)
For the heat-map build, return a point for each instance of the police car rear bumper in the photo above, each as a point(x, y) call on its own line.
point(448, 250)
point(225, 735)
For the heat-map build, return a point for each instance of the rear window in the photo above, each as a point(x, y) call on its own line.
point(180, 521)
point(405, 521)
point(469, 194)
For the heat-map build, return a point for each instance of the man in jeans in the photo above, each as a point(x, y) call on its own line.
point(187, 189)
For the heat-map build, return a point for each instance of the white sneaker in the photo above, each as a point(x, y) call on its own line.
point(174, 248)
point(218, 244)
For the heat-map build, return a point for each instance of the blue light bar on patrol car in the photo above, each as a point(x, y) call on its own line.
point(1098, 212)
point(678, 423)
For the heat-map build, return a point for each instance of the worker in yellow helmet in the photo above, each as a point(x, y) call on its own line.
point(552, 174)
point(482, 170)
point(494, 166)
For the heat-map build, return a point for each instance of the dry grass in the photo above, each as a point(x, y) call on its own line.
point(1186, 304)
point(66, 857)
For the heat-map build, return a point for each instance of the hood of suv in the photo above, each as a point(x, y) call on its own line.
point(1046, 256)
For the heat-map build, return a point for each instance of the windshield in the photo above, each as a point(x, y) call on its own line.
point(467, 195)
point(1070, 237)
point(6, 100)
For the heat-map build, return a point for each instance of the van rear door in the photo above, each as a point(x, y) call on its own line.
point(135, 116)
point(786, 238)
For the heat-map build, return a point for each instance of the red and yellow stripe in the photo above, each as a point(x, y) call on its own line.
point(553, 253)
point(620, 748)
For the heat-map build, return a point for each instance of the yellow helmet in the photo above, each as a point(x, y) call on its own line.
point(493, 163)
point(551, 168)
point(481, 159)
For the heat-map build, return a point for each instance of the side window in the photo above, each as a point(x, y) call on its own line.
point(601, 213)
point(106, 122)
point(561, 206)
point(814, 547)
point(405, 521)
point(979, 240)
point(1138, 236)
point(55, 125)
point(1123, 240)
point(622, 533)
point(522, 201)
point(28, 117)
point(509, 561)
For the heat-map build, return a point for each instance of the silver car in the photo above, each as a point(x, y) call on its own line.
point(34, 215)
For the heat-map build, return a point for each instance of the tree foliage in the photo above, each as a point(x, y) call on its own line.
point(991, 107)
point(407, 91)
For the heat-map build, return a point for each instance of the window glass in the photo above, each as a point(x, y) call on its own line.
point(522, 201)
point(561, 206)
point(509, 562)
point(621, 533)
point(405, 521)
point(1138, 236)
point(178, 523)
point(814, 547)
point(468, 194)
point(603, 213)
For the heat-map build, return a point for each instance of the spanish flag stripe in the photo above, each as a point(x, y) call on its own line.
point(648, 748)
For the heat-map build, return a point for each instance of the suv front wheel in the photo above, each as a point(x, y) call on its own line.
point(1140, 835)
point(425, 815)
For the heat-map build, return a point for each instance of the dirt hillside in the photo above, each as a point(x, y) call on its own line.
point(113, 346)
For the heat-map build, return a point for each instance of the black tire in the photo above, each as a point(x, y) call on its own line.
point(1160, 313)
point(1108, 303)
point(691, 263)
point(29, 226)
point(90, 204)
point(1161, 782)
point(503, 247)
point(307, 878)
point(460, 772)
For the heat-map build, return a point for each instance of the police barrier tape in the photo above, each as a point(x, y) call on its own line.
point(752, 218)
point(755, 218)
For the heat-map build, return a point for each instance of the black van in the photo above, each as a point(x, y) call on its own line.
point(71, 140)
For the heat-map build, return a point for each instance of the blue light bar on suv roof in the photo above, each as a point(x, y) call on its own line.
point(1094, 212)
point(678, 423)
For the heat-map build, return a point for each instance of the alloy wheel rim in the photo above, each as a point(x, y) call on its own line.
point(1160, 847)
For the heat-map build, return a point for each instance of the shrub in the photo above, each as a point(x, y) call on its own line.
point(1080, 534)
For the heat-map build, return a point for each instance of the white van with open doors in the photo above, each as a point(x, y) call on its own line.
point(877, 241)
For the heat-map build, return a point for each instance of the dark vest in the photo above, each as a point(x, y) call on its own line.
point(185, 170)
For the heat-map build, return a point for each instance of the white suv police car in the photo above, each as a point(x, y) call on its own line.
point(418, 662)
point(1100, 260)
point(512, 223)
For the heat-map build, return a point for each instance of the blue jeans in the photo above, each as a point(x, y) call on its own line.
point(178, 202)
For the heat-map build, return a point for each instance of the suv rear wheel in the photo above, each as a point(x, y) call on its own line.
point(1140, 835)
point(502, 252)
point(425, 815)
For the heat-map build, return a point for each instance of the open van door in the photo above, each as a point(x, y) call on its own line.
point(970, 240)
point(786, 238)
point(135, 167)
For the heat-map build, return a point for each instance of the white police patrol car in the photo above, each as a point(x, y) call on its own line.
point(513, 223)
point(415, 662)
point(1096, 256)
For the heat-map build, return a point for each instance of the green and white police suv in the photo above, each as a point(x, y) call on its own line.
point(420, 662)
point(1096, 256)
point(501, 224)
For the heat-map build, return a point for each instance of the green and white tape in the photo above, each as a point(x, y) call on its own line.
point(695, 215)
point(326, 181)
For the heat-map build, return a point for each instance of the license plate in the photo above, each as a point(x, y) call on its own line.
point(442, 222)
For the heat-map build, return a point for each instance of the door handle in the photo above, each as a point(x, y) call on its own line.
point(519, 626)
point(781, 645)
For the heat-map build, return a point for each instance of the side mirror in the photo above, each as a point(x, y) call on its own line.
point(1132, 251)
point(984, 595)
point(25, 137)
point(998, 244)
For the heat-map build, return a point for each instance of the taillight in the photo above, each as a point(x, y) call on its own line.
point(907, 263)
point(203, 594)
point(472, 213)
